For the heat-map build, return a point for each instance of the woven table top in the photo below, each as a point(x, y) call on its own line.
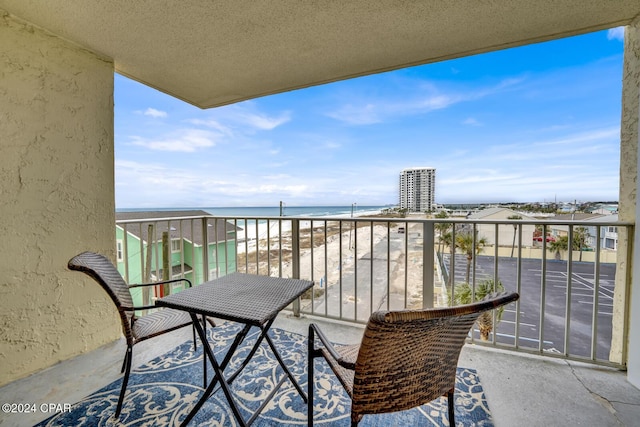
point(239, 297)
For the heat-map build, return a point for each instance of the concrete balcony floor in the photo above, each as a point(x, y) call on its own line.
point(522, 390)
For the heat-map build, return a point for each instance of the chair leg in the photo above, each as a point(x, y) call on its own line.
point(125, 380)
point(124, 361)
point(355, 420)
point(452, 420)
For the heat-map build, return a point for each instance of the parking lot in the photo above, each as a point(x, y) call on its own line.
point(584, 324)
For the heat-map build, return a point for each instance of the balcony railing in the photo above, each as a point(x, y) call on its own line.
point(360, 265)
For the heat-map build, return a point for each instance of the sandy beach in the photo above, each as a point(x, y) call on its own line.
point(255, 230)
point(333, 257)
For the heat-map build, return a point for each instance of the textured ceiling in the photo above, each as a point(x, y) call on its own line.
point(216, 52)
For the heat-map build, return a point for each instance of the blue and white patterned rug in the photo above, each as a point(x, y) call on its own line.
point(162, 391)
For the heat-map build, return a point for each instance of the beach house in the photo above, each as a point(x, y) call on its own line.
point(146, 232)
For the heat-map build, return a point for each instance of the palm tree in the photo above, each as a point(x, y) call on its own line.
point(465, 242)
point(540, 231)
point(464, 294)
point(515, 229)
point(580, 236)
point(561, 244)
point(443, 229)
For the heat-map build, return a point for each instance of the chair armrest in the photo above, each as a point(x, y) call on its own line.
point(161, 283)
point(313, 329)
point(145, 307)
point(140, 285)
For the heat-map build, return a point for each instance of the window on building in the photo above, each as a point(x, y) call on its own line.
point(119, 251)
point(176, 245)
point(610, 243)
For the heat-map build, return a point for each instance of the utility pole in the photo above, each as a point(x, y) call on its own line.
point(351, 230)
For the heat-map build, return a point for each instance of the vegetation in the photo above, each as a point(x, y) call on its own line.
point(465, 294)
point(515, 229)
point(470, 246)
point(443, 228)
point(580, 236)
point(467, 244)
point(393, 213)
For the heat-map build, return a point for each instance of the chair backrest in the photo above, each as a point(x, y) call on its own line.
point(103, 271)
point(408, 358)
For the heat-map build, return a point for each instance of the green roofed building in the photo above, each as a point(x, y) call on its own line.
point(140, 255)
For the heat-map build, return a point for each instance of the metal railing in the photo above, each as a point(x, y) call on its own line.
point(360, 265)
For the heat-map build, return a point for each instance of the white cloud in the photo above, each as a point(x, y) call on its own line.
point(372, 111)
point(472, 122)
point(239, 119)
point(262, 121)
point(616, 34)
point(188, 141)
point(439, 102)
point(212, 124)
point(331, 145)
point(155, 113)
point(245, 114)
point(357, 115)
point(508, 186)
point(479, 177)
point(290, 190)
point(140, 184)
point(567, 166)
point(612, 133)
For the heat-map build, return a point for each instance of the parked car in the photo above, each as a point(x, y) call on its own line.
point(539, 239)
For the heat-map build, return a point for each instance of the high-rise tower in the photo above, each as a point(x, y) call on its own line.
point(417, 189)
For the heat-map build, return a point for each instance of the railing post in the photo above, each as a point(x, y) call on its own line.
point(166, 261)
point(205, 250)
point(428, 264)
point(295, 259)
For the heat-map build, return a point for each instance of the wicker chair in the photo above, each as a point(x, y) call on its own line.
point(135, 328)
point(406, 358)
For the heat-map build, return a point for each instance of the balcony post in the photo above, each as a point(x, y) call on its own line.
point(166, 261)
point(428, 275)
point(295, 259)
point(205, 250)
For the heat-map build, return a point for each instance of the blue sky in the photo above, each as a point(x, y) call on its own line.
point(530, 124)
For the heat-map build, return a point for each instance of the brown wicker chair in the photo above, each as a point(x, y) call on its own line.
point(135, 328)
point(406, 358)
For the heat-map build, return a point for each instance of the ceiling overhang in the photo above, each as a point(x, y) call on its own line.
point(216, 52)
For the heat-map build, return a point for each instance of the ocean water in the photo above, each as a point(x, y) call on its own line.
point(258, 228)
point(301, 211)
point(274, 211)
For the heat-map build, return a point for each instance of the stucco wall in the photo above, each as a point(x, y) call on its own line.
point(57, 197)
point(627, 210)
point(628, 192)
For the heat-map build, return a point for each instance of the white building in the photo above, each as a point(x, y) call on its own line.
point(417, 189)
point(507, 234)
point(608, 233)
